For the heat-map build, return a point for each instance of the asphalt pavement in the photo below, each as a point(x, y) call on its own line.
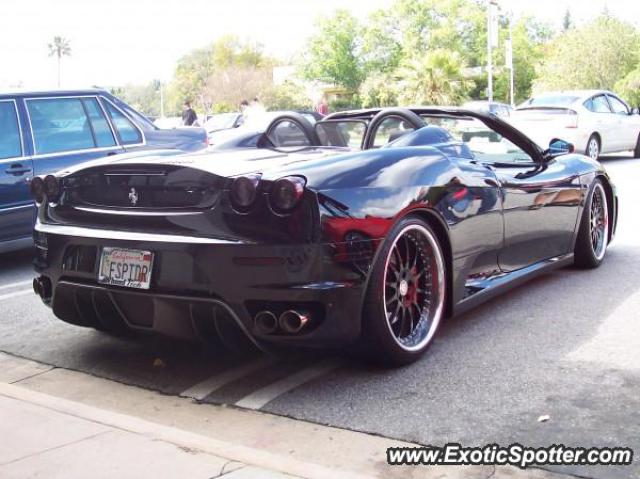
point(563, 345)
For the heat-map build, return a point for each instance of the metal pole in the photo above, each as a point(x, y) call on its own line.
point(161, 102)
point(511, 80)
point(489, 50)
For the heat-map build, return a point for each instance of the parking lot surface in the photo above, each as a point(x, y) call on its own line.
point(563, 345)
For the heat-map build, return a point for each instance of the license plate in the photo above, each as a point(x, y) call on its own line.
point(129, 268)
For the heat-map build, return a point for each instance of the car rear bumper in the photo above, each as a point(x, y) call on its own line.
point(195, 279)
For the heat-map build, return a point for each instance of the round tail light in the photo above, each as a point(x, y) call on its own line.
point(52, 188)
point(286, 193)
point(37, 189)
point(243, 191)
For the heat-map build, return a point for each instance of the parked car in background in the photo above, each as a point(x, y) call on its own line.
point(223, 121)
point(46, 131)
point(497, 108)
point(168, 122)
point(594, 121)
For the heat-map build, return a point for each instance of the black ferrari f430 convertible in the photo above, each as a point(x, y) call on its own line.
point(370, 227)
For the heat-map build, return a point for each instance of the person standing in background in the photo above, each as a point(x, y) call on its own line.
point(254, 112)
point(189, 116)
point(323, 106)
point(257, 107)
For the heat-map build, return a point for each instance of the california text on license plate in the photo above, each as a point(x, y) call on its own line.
point(126, 267)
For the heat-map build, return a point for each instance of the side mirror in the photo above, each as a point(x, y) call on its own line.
point(559, 147)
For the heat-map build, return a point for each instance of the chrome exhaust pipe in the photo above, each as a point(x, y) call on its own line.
point(266, 322)
point(42, 287)
point(293, 322)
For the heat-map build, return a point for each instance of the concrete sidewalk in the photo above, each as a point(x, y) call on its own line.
point(41, 442)
point(57, 423)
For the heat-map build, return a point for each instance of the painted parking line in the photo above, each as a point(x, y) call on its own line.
point(208, 386)
point(23, 292)
point(16, 285)
point(261, 397)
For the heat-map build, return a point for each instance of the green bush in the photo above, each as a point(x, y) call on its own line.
point(345, 103)
point(288, 96)
point(222, 108)
point(629, 88)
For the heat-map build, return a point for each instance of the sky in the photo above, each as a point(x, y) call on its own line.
point(115, 42)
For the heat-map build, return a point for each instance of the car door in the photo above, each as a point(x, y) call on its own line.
point(539, 199)
point(628, 126)
point(472, 206)
point(16, 168)
point(66, 131)
point(605, 123)
point(540, 208)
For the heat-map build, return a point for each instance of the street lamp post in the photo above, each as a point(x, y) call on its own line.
point(490, 51)
point(509, 62)
point(161, 101)
point(492, 41)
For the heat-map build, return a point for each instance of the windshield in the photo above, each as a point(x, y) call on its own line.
point(484, 144)
point(222, 121)
point(550, 100)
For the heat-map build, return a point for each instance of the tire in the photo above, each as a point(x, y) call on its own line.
point(405, 298)
point(593, 235)
point(593, 147)
point(636, 151)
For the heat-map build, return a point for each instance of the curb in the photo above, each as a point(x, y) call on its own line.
point(216, 447)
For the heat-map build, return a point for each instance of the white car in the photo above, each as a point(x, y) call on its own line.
point(594, 121)
point(499, 109)
point(223, 121)
point(168, 122)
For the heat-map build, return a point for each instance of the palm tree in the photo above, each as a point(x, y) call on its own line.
point(60, 48)
point(436, 78)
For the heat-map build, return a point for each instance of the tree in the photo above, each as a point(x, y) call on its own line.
point(379, 90)
point(144, 98)
point(346, 53)
point(223, 73)
point(287, 96)
point(227, 87)
point(434, 79)
point(595, 55)
point(629, 87)
point(427, 25)
point(529, 38)
point(59, 48)
point(381, 46)
point(381, 51)
point(333, 52)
